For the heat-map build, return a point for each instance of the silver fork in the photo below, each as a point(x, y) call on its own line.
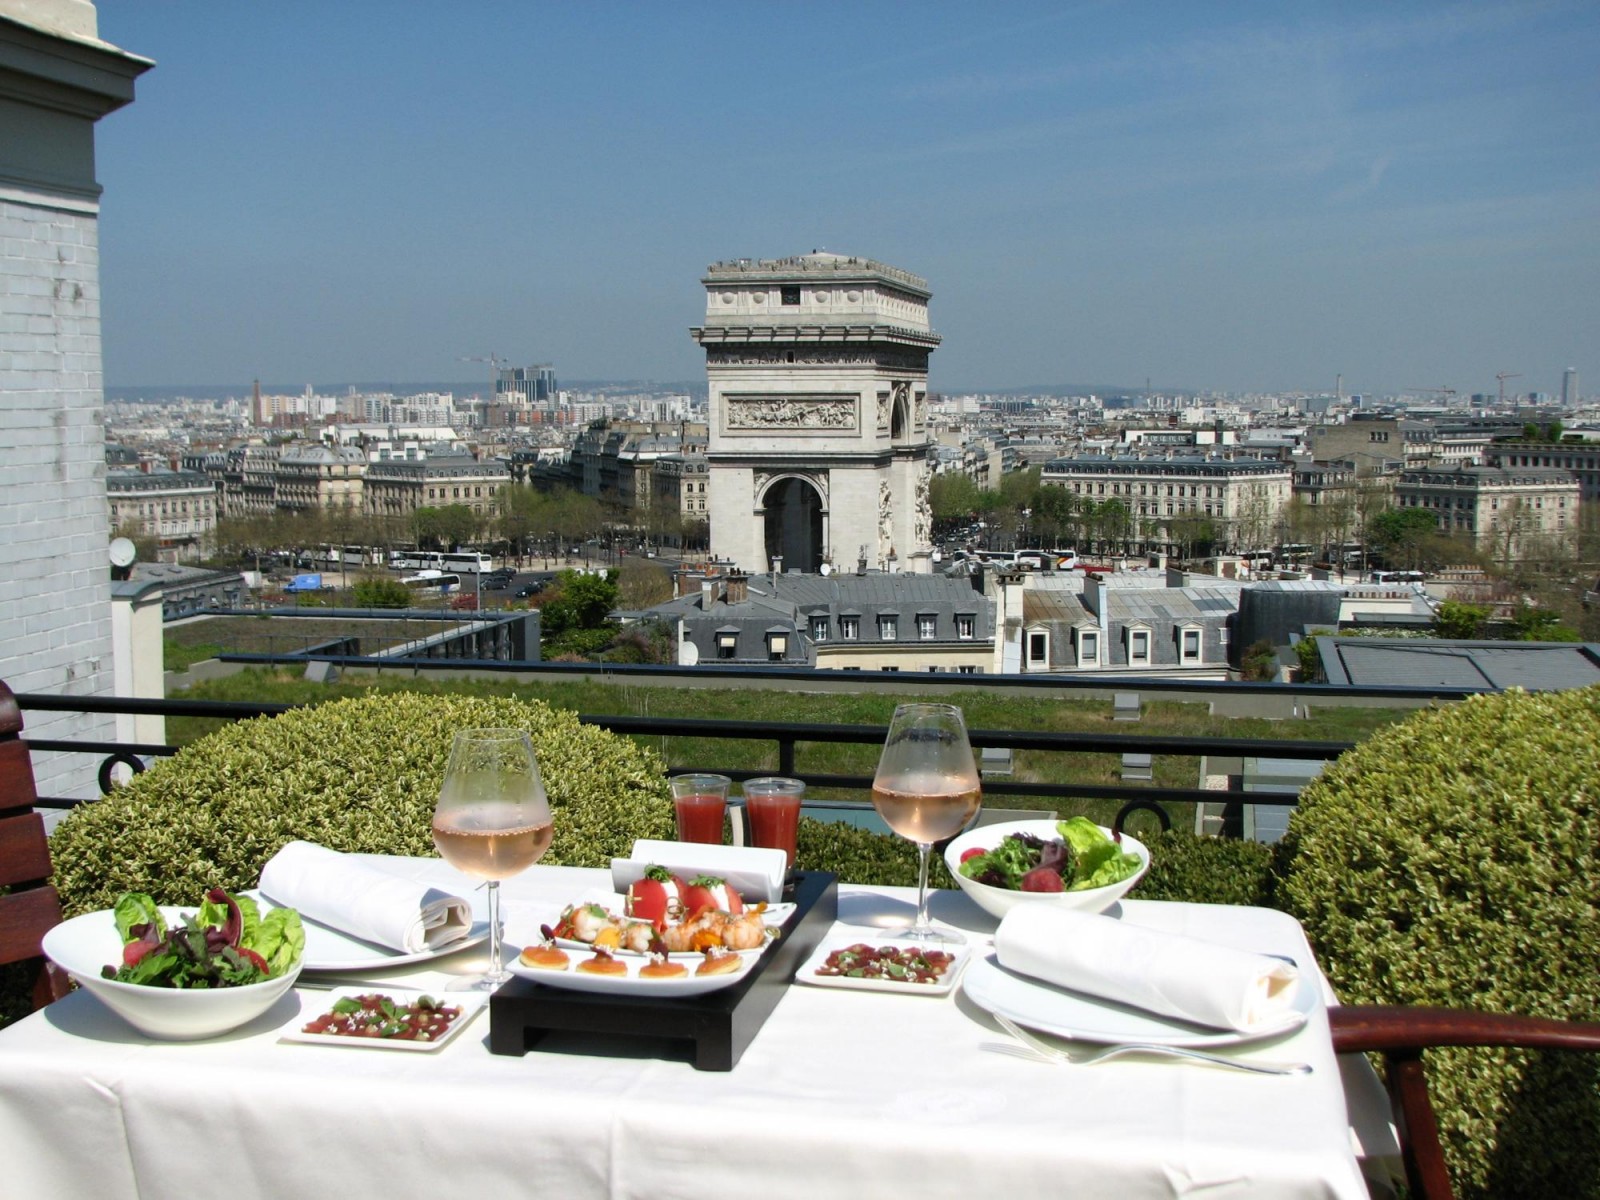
point(1042, 1049)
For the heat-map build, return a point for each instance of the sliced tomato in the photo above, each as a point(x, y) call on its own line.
point(137, 949)
point(261, 963)
point(972, 852)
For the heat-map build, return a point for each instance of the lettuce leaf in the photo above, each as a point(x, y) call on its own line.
point(279, 938)
point(1098, 862)
point(136, 908)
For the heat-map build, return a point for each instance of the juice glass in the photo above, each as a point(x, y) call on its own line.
point(700, 801)
point(773, 803)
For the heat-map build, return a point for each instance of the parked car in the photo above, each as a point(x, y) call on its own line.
point(529, 589)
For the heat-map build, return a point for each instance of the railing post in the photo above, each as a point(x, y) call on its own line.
point(786, 756)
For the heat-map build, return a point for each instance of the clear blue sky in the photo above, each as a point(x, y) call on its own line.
point(1236, 196)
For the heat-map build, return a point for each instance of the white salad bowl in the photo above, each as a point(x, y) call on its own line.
point(998, 901)
point(84, 944)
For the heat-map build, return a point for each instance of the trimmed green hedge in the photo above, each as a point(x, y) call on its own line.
point(1206, 870)
point(1454, 859)
point(358, 775)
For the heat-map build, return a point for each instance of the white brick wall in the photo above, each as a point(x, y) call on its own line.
point(55, 590)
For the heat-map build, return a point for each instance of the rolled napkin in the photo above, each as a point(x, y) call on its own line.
point(343, 893)
point(1163, 973)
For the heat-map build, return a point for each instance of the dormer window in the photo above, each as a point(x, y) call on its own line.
point(727, 645)
point(1088, 647)
point(965, 623)
point(1138, 647)
point(777, 647)
point(1189, 645)
point(927, 627)
point(887, 625)
point(850, 628)
point(1038, 647)
point(819, 629)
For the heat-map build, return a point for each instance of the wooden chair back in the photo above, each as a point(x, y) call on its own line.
point(30, 905)
point(1401, 1035)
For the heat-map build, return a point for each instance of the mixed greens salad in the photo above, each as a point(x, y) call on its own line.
point(228, 943)
point(1083, 857)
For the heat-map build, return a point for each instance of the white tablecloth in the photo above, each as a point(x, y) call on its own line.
point(842, 1093)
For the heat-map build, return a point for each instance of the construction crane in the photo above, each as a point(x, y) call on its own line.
point(1502, 377)
point(495, 363)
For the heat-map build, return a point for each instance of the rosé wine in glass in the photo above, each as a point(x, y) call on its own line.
point(927, 789)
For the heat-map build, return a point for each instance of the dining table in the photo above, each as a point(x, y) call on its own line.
point(841, 1093)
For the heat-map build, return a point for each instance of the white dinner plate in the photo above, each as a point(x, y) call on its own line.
point(942, 987)
point(773, 917)
point(630, 984)
point(470, 1004)
point(1083, 1018)
point(330, 950)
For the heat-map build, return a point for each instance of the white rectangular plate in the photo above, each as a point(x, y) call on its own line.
point(808, 970)
point(470, 1003)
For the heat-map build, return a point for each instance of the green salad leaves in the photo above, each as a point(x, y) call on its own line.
point(227, 943)
point(1083, 857)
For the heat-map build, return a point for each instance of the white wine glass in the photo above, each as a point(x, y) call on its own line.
point(927, 789)
point(492, 821)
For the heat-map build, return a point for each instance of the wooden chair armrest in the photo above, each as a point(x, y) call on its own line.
point(1401, 1034)
point(1396, 1029)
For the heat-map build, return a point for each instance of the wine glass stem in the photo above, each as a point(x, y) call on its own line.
point(923, 850)
point(496, 968)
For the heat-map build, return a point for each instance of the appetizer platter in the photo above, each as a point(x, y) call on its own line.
point(628, 1001)
point(384, 1018)
point(667, 912)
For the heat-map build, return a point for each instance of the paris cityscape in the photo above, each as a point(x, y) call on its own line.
point(577, 539)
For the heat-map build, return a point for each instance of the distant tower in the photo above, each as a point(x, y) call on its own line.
point(818, 373)
point(1569, 388)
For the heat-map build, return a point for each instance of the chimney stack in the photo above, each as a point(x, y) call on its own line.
point(739, 587)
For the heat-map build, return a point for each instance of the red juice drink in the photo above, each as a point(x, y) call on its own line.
point(774, 808)
point(700, 818)
point(700, 801)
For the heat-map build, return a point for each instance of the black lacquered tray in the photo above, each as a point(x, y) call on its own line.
point(717, 1026)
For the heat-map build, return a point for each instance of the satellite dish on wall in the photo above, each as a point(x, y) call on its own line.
point(122, 553)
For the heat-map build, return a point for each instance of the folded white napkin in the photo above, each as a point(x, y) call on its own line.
point(755, 872)
point(1164, 973)
point(343, 893)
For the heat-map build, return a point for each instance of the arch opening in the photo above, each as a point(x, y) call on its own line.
point(793, 518)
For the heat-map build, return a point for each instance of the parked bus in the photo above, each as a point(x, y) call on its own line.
point(470, 562)
point(415, 560)
point(1398, 577)
point(346, 556)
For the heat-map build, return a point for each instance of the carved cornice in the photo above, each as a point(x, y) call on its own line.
point(891, 358)
point(719, 335)
point(836, 267)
